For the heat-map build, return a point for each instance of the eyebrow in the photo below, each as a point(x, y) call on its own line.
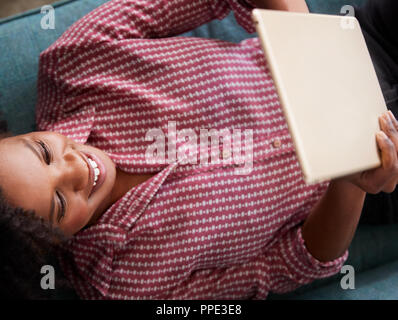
point(39, 156)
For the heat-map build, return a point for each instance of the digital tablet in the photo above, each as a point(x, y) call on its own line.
point(328, 90)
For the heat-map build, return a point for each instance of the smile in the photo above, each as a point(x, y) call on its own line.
point(94, 165)
point(97, 172)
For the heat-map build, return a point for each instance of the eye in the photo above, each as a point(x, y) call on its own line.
point(62, 207)
point(45, 150)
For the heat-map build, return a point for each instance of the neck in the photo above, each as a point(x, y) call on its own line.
point(123, 183)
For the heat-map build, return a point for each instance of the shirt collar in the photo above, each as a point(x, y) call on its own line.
point(125, 212)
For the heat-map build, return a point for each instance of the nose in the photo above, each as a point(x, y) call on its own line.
point(74, 170)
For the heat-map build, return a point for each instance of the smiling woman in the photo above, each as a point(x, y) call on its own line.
point(191, 231)
point(60, 182)
point(65, 188)
point(66, 183)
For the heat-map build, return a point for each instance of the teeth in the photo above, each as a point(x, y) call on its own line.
point(93, 163)
point(96, 170)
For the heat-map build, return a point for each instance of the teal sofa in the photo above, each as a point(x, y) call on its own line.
point(374, 250)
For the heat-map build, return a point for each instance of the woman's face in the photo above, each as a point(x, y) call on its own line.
point(54, 176)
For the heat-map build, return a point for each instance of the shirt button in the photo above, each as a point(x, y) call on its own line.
point(226, 154)
point(277, 143)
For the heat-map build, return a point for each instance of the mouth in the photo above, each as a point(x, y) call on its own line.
point(97, 173)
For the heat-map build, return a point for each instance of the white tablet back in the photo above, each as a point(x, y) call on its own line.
point(328, 89)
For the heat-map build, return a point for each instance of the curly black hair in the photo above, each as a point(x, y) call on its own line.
point(27, 243)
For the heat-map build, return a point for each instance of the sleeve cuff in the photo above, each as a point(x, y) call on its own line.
point(242, 10)
point(333, 266)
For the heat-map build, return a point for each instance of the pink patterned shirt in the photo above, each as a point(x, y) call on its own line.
point(192, 231)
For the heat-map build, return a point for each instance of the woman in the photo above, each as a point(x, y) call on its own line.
point(177, 229)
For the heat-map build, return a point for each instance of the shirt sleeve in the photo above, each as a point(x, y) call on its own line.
point(281, 268)
point(126, 19)
point(66, 67)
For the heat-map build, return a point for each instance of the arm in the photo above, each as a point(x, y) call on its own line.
point(285, 5)
point(330, 227)
point(127, 19)
point(116, 31)
point(282, 267)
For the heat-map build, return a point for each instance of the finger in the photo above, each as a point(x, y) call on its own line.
point(378, 179)
point(389, 128)
point(388, 151)
point(389, 162)
point(393, 119)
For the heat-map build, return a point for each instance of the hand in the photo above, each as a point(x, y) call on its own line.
point(384, 178)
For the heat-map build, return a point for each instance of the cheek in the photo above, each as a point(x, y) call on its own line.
point(78, 217)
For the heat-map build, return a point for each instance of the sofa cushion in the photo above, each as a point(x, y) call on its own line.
point(331, 6)
point(376, 284)
point(372, 246)
point(21, 41)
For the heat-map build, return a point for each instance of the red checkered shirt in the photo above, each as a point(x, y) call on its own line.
point(192, 231)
